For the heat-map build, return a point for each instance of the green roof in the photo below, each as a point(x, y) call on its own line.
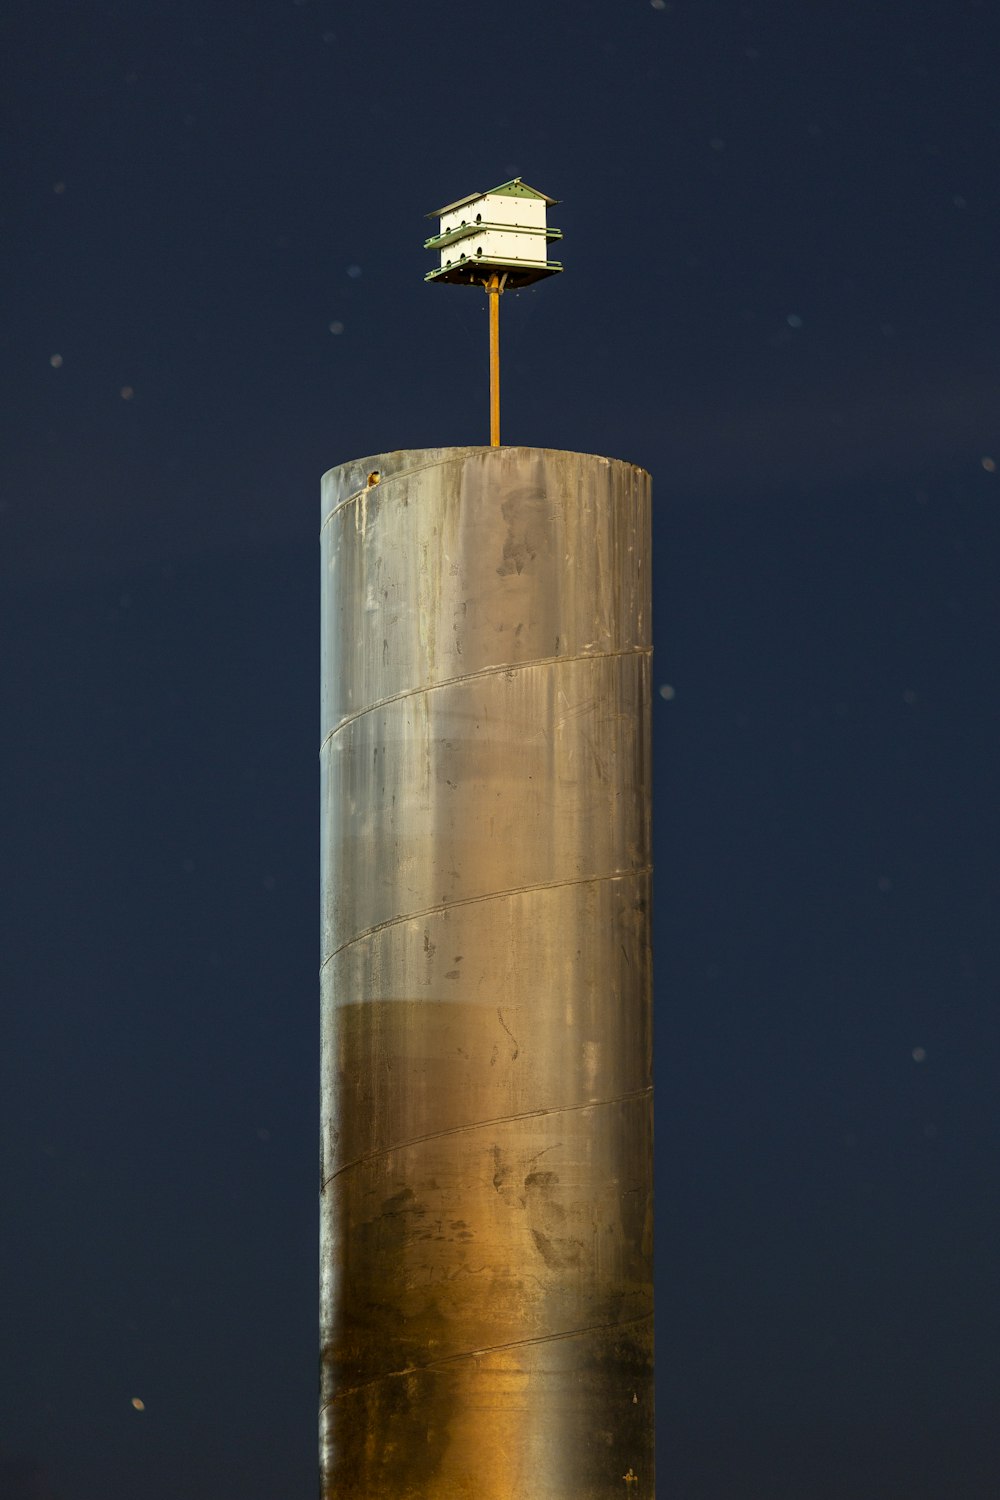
point(515, 188)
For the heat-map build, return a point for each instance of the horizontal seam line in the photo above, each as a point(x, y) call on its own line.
point(528, 1114)
point(513, 666)
point(515, 890)
point(448, 1359)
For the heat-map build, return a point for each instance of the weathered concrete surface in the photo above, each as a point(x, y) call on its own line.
point(487, 1101)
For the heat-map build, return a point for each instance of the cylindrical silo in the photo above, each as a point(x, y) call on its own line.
point(487, 1309)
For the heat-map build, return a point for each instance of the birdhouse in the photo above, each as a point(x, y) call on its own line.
point(499, 233)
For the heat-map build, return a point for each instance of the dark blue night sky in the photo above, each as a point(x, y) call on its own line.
point(781, 245)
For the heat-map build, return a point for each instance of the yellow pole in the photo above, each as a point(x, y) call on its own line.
point(493, 289)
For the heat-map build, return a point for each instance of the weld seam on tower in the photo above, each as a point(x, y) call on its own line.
point(635, 872)
point(500, 669)
point(527, 1114)
point(450, 1359)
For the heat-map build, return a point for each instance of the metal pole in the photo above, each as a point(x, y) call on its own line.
point(486, 1200)
point(493, 289)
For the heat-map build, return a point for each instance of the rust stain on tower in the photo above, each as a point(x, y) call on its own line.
point(487, 1305)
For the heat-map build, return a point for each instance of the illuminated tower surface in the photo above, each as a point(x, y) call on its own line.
point(486, 1261)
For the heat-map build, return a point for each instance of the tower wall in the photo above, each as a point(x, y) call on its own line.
point(486, 1003)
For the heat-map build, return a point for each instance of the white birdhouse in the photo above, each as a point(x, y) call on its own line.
point(499, 233)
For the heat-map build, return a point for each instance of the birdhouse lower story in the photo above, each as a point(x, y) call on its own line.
point(474, 256)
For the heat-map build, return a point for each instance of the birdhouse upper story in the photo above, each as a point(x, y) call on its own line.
point(502, 232)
